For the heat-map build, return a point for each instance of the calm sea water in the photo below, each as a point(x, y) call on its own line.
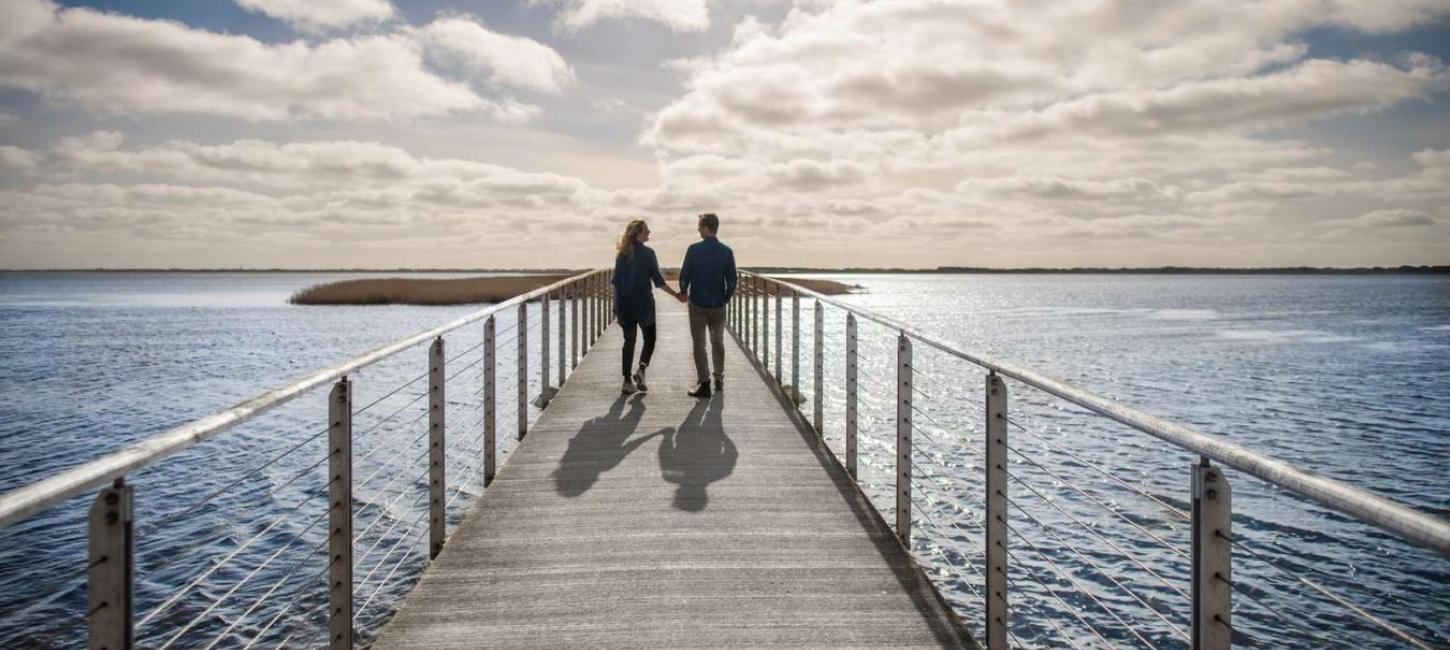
point(1343, 374)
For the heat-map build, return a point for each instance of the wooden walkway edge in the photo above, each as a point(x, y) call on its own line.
point(663, 521)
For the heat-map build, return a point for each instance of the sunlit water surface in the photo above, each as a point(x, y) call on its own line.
point(1343, 374)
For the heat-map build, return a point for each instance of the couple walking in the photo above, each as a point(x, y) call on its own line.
point(707, 281)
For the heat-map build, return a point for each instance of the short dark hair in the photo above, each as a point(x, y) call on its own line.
point(709, 220)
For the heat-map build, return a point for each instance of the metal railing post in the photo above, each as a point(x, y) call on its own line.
point(490, 420)
point(1212, 572)
point(339, 515)
point(110, 580)
point(546, 388)
point(574, 325)
point(795, 345)
point(851, 389)
point(563, 339)
point(818, 413)
point(778, 336)
point(437, 445)
point(523, 328)
point(996, 456)
point(765, 326)
point(903, 439)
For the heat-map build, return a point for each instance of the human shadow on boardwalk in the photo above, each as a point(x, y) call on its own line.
point(600, 445)
point(697, 454)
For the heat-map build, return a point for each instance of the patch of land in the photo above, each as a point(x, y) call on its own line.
point(420, 291)
point(464, 291)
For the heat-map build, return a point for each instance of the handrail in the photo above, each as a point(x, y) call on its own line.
point(23, 502)
point(1404, 521)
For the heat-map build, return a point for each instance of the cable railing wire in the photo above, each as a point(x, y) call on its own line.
point(1137, 490)
point(297, 595)
point(178, 555)
point(1134, 595)
point(1161, 542)
point(222, 598)
point(273, 589)
point(1101, 537)
point(1340, 600)
point(1078, 587)
point(171, 517)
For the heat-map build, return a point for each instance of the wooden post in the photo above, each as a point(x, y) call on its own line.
point(437, 445)
point(111, 577)
point(339, 515)
point(1212, 571)
point(996, 457)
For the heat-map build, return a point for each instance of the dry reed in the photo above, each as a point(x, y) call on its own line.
point(462, 291)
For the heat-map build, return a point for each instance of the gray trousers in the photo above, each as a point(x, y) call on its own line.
point(702, 318)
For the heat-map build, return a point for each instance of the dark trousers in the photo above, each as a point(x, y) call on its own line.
point(703, 319)
point(645, 354)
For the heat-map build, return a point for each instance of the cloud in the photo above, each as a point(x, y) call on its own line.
point(121, 65)
point(500, 58)
point(320, 15)
point(678, 15)
point(15, 159)
point(1392, 218)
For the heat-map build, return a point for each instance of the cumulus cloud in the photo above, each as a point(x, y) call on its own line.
point(1057, 122)
point(122, 65)
point(318, 15)
point(499, 58)
point(678, 15)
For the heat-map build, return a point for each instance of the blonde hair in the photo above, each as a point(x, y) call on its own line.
point(631, 232)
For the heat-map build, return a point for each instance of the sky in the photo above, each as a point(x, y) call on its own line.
point(896, 133)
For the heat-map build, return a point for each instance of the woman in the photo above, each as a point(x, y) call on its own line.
point(635, 268)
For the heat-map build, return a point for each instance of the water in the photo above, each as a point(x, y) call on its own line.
point(1344, 374)
point(94, 362)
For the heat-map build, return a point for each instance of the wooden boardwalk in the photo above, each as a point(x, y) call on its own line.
point(665, 521)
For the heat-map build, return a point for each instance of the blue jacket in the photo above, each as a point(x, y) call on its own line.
point(708, 274)
point(634, 298)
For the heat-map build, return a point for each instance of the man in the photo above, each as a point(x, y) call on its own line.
point(708, 278)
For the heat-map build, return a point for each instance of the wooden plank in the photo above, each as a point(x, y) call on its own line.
point(660, 520)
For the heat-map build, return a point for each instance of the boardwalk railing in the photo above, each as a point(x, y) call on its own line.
point(996, 505)
point(391, 438)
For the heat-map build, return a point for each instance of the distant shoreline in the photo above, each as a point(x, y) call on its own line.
point(941, 270)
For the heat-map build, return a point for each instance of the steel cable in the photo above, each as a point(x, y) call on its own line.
point(1182, 515)
point(1164, 543)
point(238, 585)
point(1100, 536)
point(1364, 614)
point(177, 555)
point(1079, 588)
point(1064, 544)
point(256, 603)
point(1053, 592)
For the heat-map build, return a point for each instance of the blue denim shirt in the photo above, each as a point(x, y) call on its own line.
point(708, 274)
point(634, 297)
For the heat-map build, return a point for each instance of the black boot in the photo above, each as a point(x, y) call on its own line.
point(701, 390)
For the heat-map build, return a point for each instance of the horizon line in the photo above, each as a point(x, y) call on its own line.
point(1407, 268)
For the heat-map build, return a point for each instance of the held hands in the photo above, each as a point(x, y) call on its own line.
point(681, 297)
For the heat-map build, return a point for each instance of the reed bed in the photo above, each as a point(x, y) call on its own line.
point(462, 291)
